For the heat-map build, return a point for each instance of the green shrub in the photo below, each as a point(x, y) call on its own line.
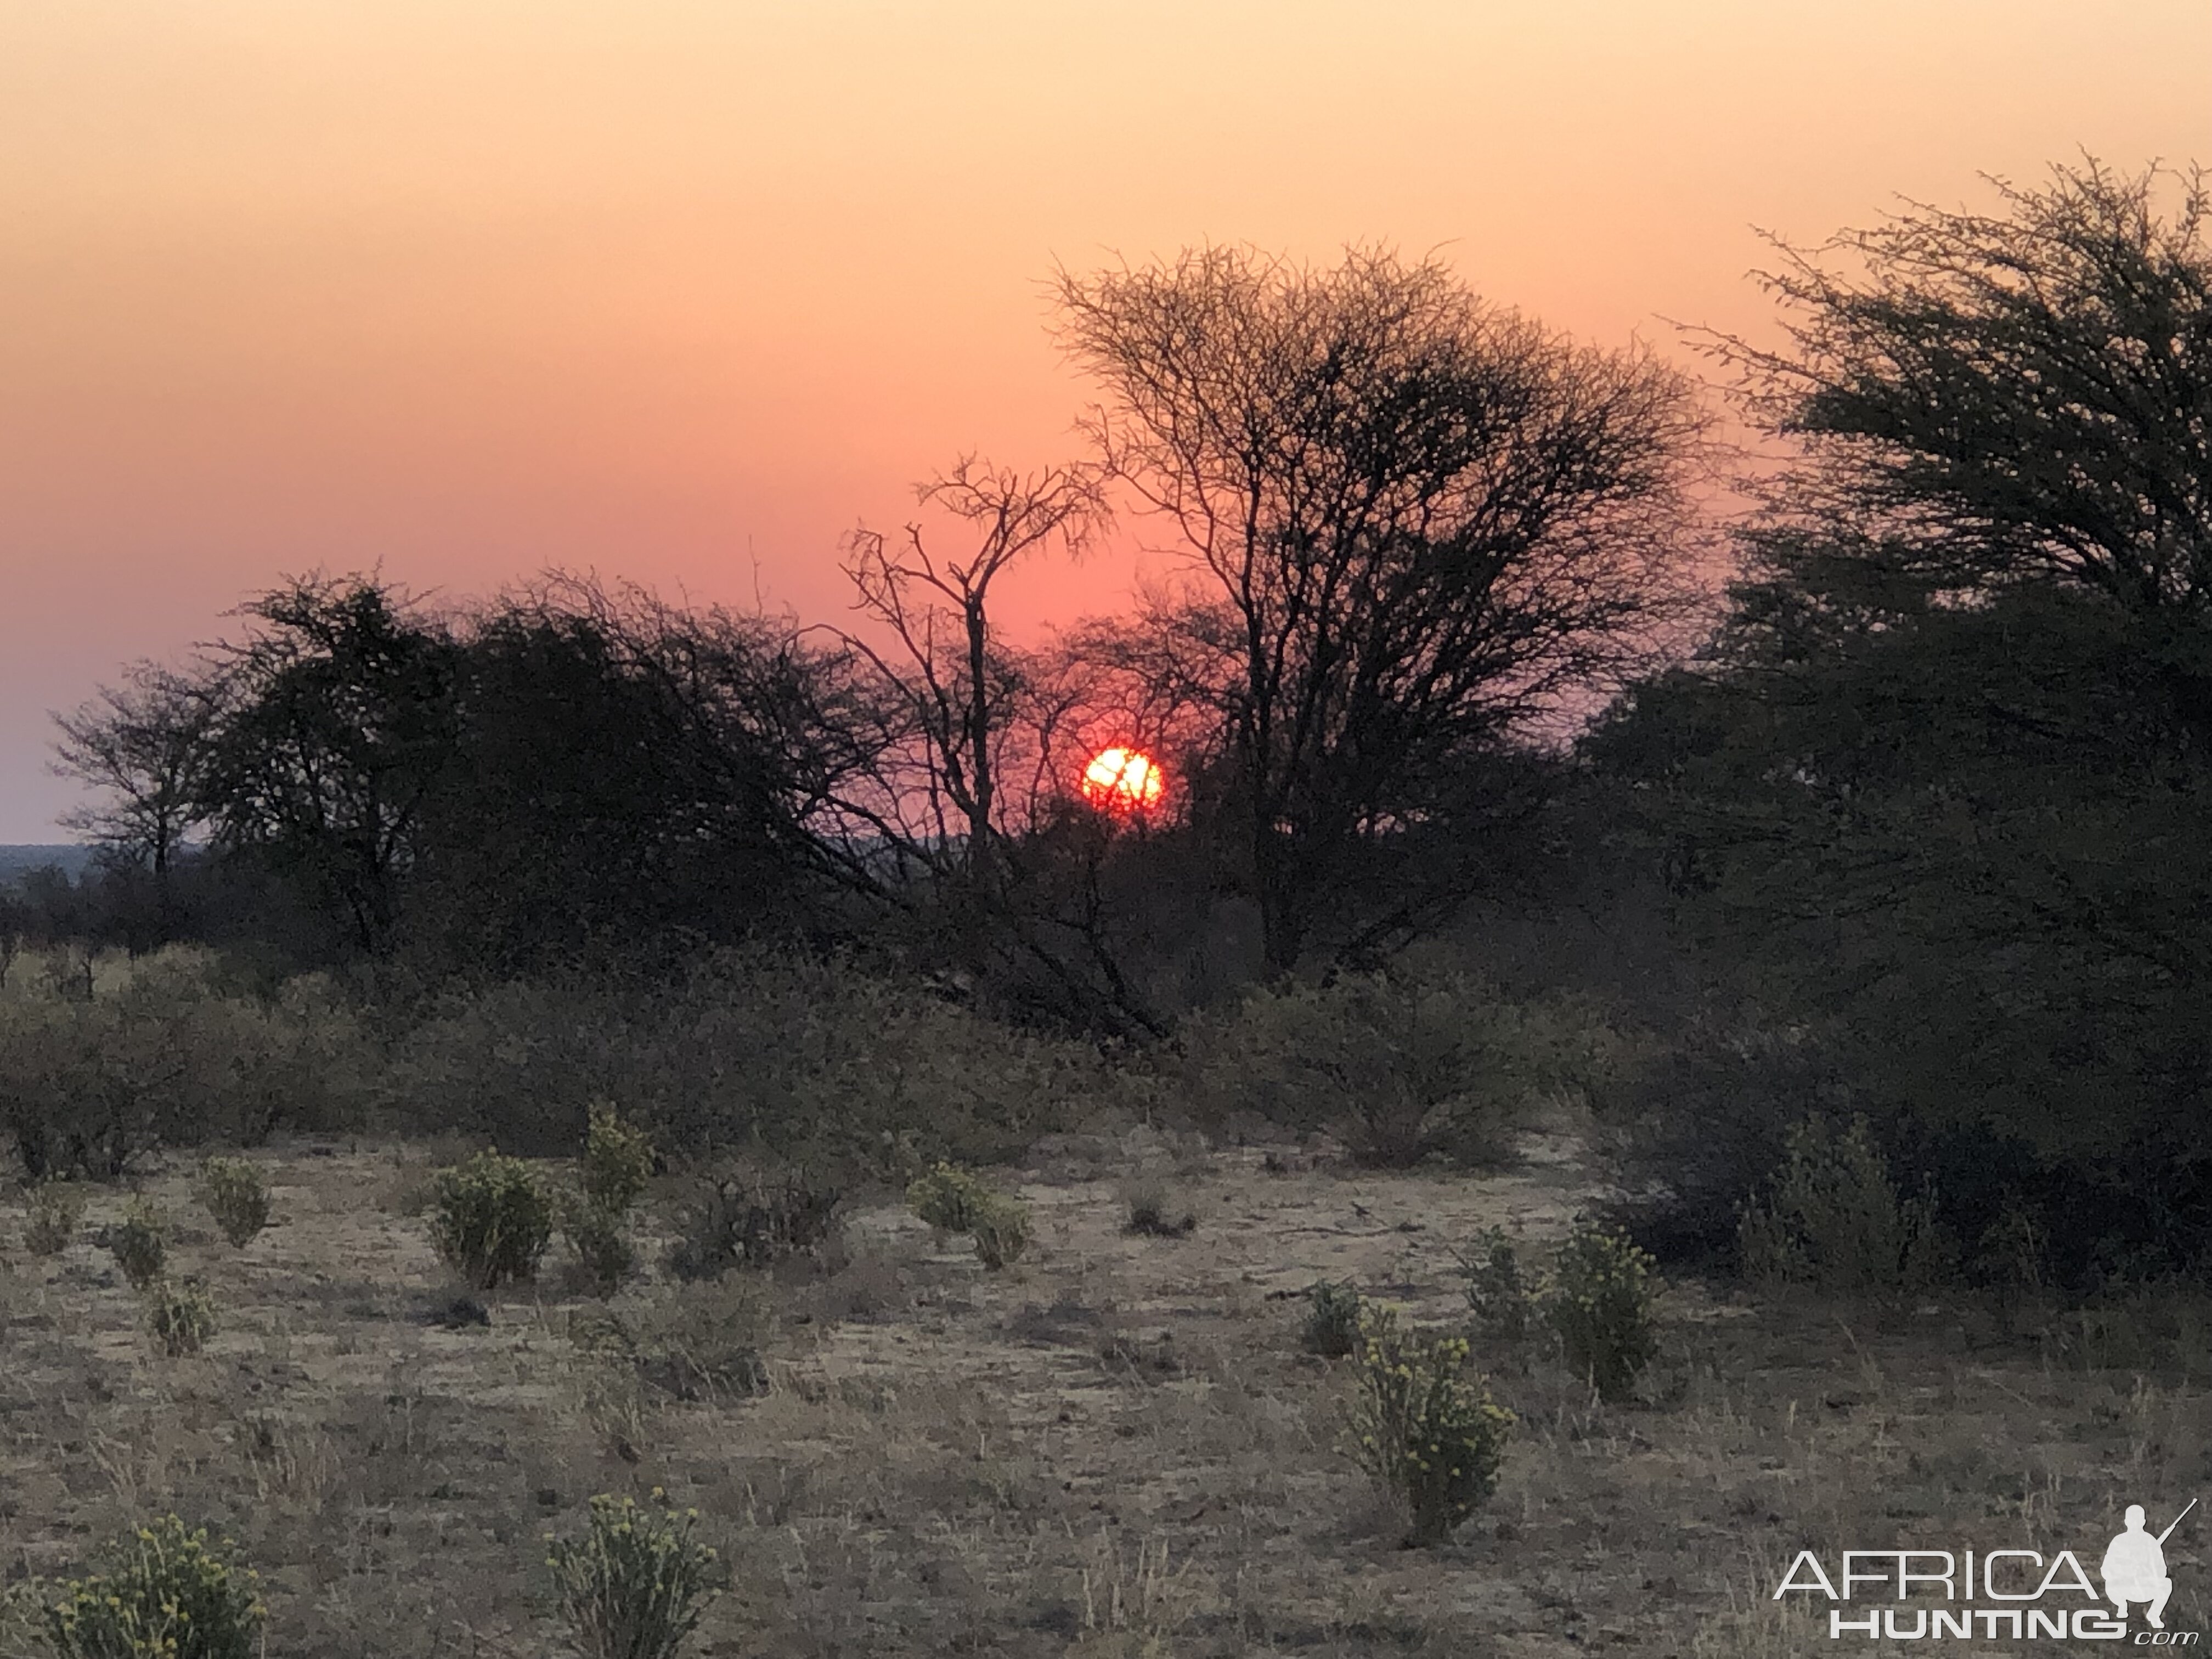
point(1602, 1306)
point(180, 1317)
point(1498, 1291)
point(56, 1208)
point(1430, 1436)
point(949, 1199)
point(1001, 1226)
point(617, 1161)
point(736, 1223)
point(494, 1220)
point(140, 1245)
point(1332, 1322)
point(236, 1196)
point(634, 1585)
point(599, 1247)
point(163, 1596)
point(1832, 1218)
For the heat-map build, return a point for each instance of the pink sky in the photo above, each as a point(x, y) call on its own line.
point(680, 290)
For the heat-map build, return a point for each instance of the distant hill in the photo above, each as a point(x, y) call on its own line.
point(15, 861)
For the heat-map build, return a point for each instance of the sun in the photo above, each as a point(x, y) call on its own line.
point(1122, 779)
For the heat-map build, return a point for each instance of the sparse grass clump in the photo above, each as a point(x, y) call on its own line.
point(617, 1161)
point(1834, 1220)
point(1001, 1226)
point(164, 1596)
point(493, 1219)
point(634, 1585)
point(1332, 1323)
point(180, 1317)
point(949, 1197)
point(140, 1245)
point(1499, 1292)
point(1153, 1211)
point(1429, 1435)
point(1601, 1307)
point(237, 1197)
point(56, 1208)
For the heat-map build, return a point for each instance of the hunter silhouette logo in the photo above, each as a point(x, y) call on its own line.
point(2015, 1594)
point(2134, 1568)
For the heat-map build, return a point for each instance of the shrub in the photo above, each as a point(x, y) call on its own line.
point(164, 1596)
point(1832, 1218)
point(1001, 1226)
point(949, 1199)
point(704, 1344)
point(617, 1161)
point(1602, 1308)
point(237, 1196)
point(634, 1585)
point(1152, 1212)
point(494, 1220)
point(56, 1207)
point(1498, 1291)
point(1332, 1322)
point(753, 1224)
point(180, 1317)
point(599, 1247)
point(140, 1245)
point(1430, 1437)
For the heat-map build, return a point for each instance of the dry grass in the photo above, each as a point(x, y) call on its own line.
point(1113, 1447)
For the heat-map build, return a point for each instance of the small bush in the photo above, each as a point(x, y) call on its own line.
point(140, 1245)
point(56, 1208)
point(1153, 1212)
point(1832, 1218)
point(180, 1317)
point(617, 1161)
point(1332, 1322)
point(494, 1220)
point(1001, 1226)
point(949, 1197)
point(598, 1247)
point(739, 1223)
point(706, 1343)
point(237, 1197)
point(1602, 1306)
point(634, 1585)
point(164, 1596)
point(1498, 1291)
point(1431, 1437)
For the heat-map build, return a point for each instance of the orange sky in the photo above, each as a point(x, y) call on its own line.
point(678, 289)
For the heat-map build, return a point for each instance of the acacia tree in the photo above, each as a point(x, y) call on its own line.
point(1418, 526)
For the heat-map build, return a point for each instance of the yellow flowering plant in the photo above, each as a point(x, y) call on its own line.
point(1426, 1431)
point(634, 1585)
point(165, 1594)
point(1601, 1307)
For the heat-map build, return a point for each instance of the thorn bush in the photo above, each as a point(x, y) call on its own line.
point(634, 1585)
point(163, 1596)
point(237, 1197)
point(1602, 1306)
point(493, 1219)
point(1428, 1433)
point(140, 1245)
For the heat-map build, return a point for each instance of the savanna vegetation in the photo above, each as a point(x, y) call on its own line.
point(1630, 1039)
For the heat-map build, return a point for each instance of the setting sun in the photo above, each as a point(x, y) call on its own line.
point(1122, 779)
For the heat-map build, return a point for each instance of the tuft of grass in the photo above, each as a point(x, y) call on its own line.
point(1001, 1226)
point(493, 1219)
point(634, 1585)
point(180, 1317)
point(1154, 1213)
point(1332, 1322)
point(140, 1245)
point(237, 1197)
point(57, 1209)
point(1430, 1435)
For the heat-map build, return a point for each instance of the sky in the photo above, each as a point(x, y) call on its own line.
point(681, 291)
